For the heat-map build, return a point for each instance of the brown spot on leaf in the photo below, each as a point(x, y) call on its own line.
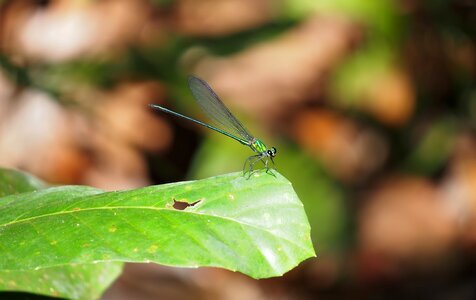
point(182, 205)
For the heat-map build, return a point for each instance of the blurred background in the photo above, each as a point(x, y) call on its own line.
point(371, 105)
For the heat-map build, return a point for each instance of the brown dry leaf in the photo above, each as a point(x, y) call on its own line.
point(64, 30)
point(153, 281)
point(325, 272)
point(267, 79)
point(125, 114)
point(222, 284)
point(222, 17)
point(348, 151)
point(462, 54)
point(117, 165)
point(405, 220)
point(36, 136)
point(147, 281)
point(391, 99)
point(459, 187)
point(100, 149)
point(6, 92)
point(123, 125)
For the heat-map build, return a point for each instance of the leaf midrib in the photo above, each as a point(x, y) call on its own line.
point(265, 229)
point(15, 222)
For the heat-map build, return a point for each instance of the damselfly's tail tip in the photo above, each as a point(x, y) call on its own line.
point(156, 107)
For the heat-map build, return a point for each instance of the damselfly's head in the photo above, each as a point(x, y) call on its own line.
point(271, 152)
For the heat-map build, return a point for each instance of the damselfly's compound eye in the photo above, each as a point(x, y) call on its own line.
point(272, 152)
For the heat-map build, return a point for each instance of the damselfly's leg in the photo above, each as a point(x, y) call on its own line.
point(248, 161)
point(265, 159)
point(258, 158)
point(272, 161)
point(266, 164)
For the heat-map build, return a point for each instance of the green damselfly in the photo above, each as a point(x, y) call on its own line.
point(225, 123)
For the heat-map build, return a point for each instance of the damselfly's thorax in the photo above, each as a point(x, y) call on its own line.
point(259, 147)
point(264, 155)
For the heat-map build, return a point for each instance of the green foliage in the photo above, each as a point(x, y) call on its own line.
point(358, 73)
point(14, 182)
point(432, 149)
point(383, 28)
point(256, 226)
point(379, 15)
point(87, 281)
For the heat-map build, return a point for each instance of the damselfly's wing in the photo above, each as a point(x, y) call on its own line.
point(216, 110)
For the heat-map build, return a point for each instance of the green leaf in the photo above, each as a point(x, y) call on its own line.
point(380, 16)
point(351, 82)
point(13, 182)
point(86, 281)
point(323, 198)
point(256, 226)
point(433, 148)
